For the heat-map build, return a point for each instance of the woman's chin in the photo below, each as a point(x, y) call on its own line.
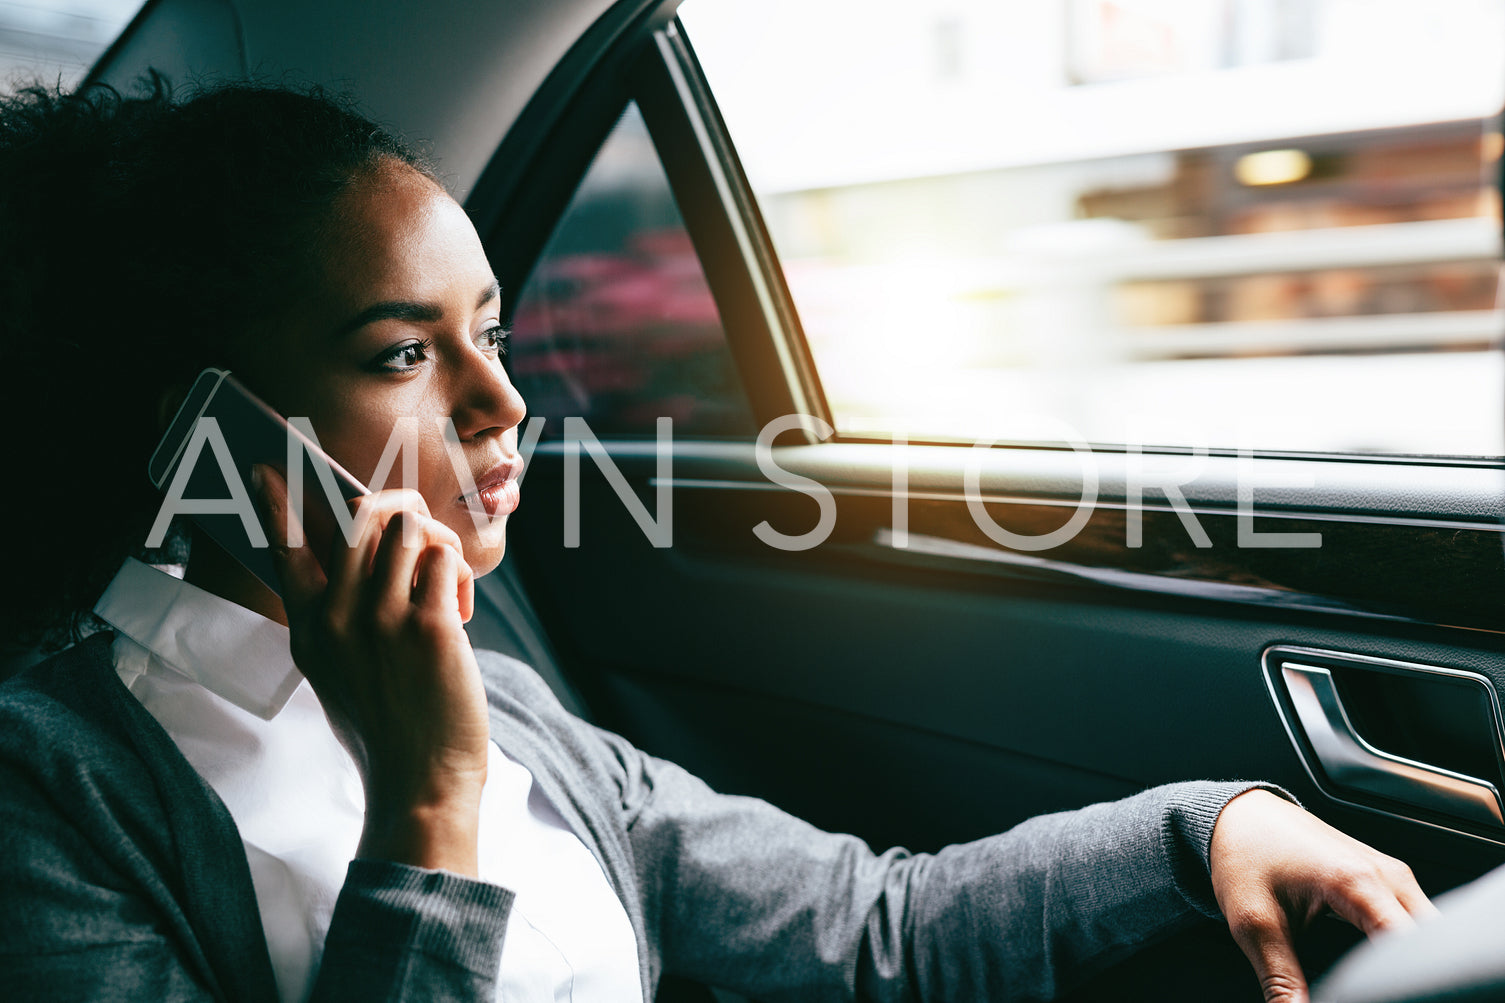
point(484, 554)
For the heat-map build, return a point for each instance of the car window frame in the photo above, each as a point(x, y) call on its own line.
point(641, 58)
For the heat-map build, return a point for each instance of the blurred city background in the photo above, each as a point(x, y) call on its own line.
point(1270, 223)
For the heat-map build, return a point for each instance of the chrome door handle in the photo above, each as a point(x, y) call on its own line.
point(1351, 762)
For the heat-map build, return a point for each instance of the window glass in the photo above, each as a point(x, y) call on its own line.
point(48, 41)
point(617, 325)
point(1229, 223)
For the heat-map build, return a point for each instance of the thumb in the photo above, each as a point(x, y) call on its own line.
point(298, 571)
point(1270, 948)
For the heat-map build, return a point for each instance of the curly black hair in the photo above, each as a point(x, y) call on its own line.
point(140, 236)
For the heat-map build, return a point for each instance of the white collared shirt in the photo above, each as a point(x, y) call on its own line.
point(221, 681)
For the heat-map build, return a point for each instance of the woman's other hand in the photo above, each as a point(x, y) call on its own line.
point(1275, 867)
point(380, 636)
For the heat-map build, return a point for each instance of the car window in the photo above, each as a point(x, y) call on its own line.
point(617, 324)
point(56, 41)
point(1264, 223)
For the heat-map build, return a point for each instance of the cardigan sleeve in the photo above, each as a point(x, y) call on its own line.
point(406, 933)
point(748, 897)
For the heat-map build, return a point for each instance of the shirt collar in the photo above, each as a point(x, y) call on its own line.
point(231, 651)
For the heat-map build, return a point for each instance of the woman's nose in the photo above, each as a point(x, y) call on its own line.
point(485, 398)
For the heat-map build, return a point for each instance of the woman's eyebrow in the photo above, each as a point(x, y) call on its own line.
point(491, 292)
point(417, 313)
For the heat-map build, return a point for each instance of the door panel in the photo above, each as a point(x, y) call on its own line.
point(925, 699)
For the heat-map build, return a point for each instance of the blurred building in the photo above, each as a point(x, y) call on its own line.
point(1198, 222)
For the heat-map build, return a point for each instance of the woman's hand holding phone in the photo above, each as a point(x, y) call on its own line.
point(380, 636)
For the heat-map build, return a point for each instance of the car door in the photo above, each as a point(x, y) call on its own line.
point(924, 640)
point(924, 634)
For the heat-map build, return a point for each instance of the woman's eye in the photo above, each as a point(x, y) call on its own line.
point(403, 357)
point(493, 339)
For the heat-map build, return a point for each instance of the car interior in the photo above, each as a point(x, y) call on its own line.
point(912, 638)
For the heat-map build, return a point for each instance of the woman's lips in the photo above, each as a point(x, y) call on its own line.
point(499, 498)
point(496, 490)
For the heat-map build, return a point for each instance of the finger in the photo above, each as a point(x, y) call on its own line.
point(1411, 897)
point(349, 565)
point(439, 570)
point(1416, 902)
point(298, 571)
point(467, 592)
point(396, 563)
point(383, 505)
point(437, 532)
point(371, 514)
point(393, 500)
point(418, 529)
point(1270, 950)
point(1373, 908)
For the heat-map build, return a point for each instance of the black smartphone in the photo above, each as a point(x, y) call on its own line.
point(222, 430)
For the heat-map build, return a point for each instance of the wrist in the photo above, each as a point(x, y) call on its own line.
point(440, 835)
point(431, 821)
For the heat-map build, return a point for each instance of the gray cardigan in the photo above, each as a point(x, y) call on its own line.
point(125, 877)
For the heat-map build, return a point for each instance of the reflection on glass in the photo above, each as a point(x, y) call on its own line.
point(616, 324)
point(1265, 223)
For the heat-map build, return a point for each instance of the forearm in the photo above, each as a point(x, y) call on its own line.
point(1031, 912)
point(753, 899)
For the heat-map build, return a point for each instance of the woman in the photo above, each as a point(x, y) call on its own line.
point(185, 818)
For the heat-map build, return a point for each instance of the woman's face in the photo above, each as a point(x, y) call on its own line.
point(400, 335)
